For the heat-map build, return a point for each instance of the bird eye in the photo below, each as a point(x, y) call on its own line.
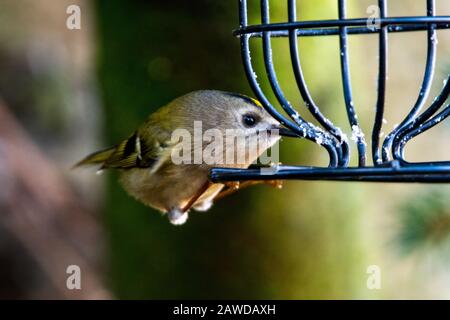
point(249, 120)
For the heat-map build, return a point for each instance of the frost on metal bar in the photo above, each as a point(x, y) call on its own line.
point(388, 163)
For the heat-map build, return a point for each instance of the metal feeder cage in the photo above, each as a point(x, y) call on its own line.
point(388, 162)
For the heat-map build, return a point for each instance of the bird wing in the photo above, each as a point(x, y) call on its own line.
point(143, 149)
point(148, 147)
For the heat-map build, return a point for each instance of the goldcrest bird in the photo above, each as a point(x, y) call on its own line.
point(145, 159)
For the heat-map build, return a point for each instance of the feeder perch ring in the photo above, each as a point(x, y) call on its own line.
point(388, 161)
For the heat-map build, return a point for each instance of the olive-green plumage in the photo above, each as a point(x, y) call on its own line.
point(148, 171)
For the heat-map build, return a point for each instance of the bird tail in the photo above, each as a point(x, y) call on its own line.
point(95, 158)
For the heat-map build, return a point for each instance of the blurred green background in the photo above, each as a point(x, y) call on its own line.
point(77, 90)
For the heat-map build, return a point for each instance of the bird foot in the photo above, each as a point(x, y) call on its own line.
point(233, 185)
point(275, 183)
point(177, 217)
point(203, 206)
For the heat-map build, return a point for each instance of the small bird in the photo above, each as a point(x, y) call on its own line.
point(145, 159)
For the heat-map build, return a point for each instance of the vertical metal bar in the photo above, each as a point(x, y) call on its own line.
point(319, 136)
point(419, 124)
point(243, 13)
point(382, 77)
point(304, 92)
point(303, 131)
point(348, 96)
point(430, 123)
point(424, 90)
point(434, 107)
point(268, 62)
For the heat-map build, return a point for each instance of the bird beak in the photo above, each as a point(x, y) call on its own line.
point(285, 132)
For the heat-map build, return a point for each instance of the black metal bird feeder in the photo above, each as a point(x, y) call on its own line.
point(388, 162)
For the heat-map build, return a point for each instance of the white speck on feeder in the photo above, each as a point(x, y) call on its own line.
point(296, 118)
point(357, 134)
point(341, 134)
point(434, 39)
point(344, 138)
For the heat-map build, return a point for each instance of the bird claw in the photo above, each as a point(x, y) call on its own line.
point(275, 183)
point(234, 185)
point(203, 206)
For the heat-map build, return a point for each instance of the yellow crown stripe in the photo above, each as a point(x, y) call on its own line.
point(257, 102)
